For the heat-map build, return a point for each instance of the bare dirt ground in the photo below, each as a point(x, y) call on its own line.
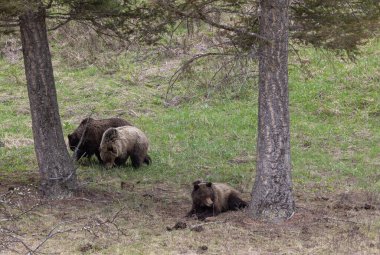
point(138, 218)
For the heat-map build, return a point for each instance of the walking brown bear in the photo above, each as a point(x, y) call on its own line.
point(93, 131)
point(118, 144)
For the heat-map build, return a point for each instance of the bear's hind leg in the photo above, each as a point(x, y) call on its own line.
point(136, 161)
point(147, 160)
point(235, 202)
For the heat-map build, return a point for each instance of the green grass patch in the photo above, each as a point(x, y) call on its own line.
point(334, 105)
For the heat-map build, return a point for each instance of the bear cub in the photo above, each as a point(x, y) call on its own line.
point(122, 142)
point(93, 135)
point(210, 199)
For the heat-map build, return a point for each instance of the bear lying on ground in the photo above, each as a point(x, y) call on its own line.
point(93, 135)
point(122, 142)
point(210, 199)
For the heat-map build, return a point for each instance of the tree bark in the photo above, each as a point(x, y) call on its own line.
point(57, 171)
point(272, 198)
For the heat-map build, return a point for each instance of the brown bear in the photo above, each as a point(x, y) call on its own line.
point(93, 136)
point(210, 199)
point(122, 142)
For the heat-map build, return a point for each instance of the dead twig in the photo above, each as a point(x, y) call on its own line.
point(18, 216)
point(8, 238)
point(50, 235)
point(207, 223)
point(82, 137)
point(74, 154)
point(186, 65)
point(343, 220)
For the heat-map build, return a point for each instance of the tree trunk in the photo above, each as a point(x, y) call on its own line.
point(272, 198)
point(57, 171)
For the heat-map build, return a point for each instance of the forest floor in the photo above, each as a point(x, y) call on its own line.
point(149, 219)
point(202, 131)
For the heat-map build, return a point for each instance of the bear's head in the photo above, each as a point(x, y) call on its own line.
point(73, 140)
point(84, 121)
point(75, 137)
point(108, 154)
point(203, 194)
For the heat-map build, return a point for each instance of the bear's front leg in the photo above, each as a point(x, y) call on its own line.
point(97, 154)
point(205, 214)
point(121, 160)
point(191, 212)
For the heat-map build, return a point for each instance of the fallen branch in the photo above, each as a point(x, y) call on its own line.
point(18, 216)
point(343, 220)
point(207, 223)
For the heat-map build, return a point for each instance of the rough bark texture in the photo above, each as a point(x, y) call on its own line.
point(57, 170)
point(272, 192)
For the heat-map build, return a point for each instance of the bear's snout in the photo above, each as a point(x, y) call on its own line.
point(209, 202)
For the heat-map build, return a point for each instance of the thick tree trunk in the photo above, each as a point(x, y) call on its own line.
point(272, 192)
point(57, 171)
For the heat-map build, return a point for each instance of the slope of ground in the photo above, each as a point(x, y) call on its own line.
point(335, 120)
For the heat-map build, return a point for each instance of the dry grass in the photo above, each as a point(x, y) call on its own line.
point(134, 220)
point(14, 142)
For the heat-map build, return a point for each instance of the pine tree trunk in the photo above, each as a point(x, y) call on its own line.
point(57, 171)
point(272, 198)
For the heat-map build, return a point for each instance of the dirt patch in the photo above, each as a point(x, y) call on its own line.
point(23, 110)
point(17, 142)
point(242, 158)
point(356, 201)
point(176, 101)
point(134, 219)
point(169, 202)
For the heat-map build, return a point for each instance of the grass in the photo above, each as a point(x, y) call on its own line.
point(334, 108)
point(335, 120)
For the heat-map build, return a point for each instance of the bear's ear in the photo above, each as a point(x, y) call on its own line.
point(70, 136)
point(112, 131)
point(196, 184)
point(209, 184)
point(84, 121)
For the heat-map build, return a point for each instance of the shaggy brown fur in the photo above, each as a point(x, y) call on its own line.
point(93, 135)
point(122, 142)
point(210, 199)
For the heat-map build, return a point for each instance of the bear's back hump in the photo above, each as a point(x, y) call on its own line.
point(117, 122)
point(223, 192)
point(132, 134)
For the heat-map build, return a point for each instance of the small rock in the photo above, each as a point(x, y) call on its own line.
point(178, 225)
point(127, 186)
point(86, 247)
point(203, 248)
point(148, 195)
point(305, 230)
point(369, 207)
